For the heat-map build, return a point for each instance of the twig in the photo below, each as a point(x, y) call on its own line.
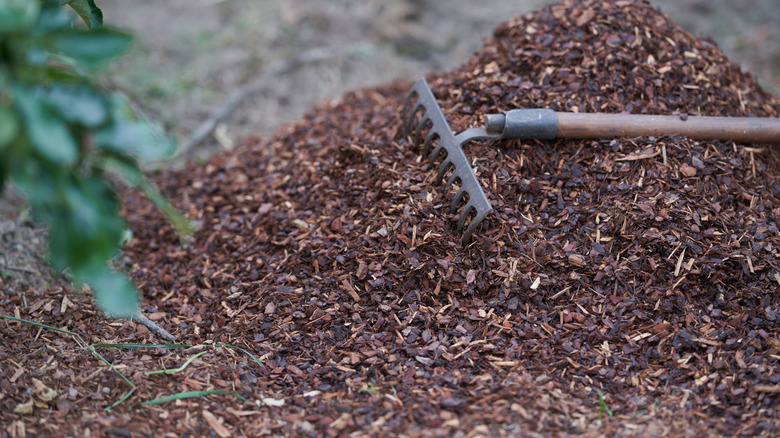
point(772, 389)
point(151, 325)
point(247, 90)
point(638, 156)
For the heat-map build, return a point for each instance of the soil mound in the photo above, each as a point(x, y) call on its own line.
point(645, 268)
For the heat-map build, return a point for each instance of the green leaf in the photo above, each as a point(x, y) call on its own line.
point(179, 369)
point(137, 138)
point(125, 166)
point(88, 11)
point(37, 57)
point(242, 350)
point(137, 346)
point(94, 211)
point(16, 15)
point(81, 105)
point(92, 48)
point(175, 346)
point(114, 293)
point(131, 136)
point(182, 395)
point(3, 174)
point(128, 169)
point(37, 184)
point(183, 226)
point(83, 216)
point(52, 18)
point(603, 407)
point(49, 135)
point(9, 126)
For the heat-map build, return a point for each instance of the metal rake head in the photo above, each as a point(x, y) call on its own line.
point(424, 122)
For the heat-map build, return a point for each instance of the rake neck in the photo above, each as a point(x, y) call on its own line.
point(472, 134)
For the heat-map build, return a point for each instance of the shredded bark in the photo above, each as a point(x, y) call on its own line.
point(643, 270)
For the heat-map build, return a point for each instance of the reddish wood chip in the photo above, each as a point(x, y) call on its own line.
point(216, 424)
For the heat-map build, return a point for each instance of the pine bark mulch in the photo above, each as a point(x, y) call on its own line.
point(642, 272)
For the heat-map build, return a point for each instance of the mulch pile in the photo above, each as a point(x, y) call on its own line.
point(642, 270)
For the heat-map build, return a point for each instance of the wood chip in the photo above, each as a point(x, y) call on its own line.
point(607, 273)
point(216, 424)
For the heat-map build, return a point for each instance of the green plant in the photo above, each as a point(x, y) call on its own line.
point(63, 140)
point(603, 406)
point(369, 388)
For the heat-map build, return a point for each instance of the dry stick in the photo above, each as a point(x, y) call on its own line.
point(151, 325)
point(237, 97)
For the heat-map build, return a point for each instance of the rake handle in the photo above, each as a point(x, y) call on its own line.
point(547, 124)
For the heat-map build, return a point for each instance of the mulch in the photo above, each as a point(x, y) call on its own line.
point(642, 272)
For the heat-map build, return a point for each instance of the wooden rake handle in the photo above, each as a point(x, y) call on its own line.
point(547, 124)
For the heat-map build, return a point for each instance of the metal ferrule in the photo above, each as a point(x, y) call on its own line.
point(523, 124)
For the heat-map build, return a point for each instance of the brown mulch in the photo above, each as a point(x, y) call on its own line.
point(643, 270)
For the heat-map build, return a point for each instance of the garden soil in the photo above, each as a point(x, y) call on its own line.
point(620, 287)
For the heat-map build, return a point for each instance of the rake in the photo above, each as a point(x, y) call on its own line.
point(425, 124)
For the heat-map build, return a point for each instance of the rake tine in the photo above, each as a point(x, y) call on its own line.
point(434, 155)
point(443, 167)
point(456, 201)
point(464, 215)
point(405, 114)
point(420, 126)
point(469, 231)
point(451, 180)
point(427, 145)
point(410, 121)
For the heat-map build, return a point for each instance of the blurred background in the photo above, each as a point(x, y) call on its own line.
point(244, 67)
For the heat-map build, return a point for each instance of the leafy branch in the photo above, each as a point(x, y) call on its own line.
point(62, 139)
